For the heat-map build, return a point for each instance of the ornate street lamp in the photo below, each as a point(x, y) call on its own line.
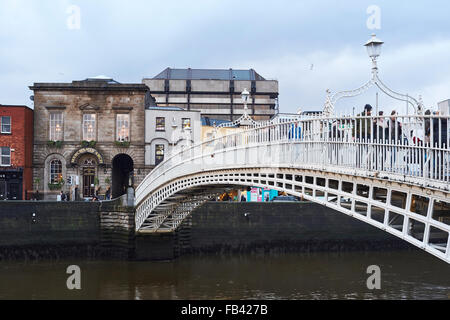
point(373, 47)
point(245, 95)
point(245, 120)
point(374, 50)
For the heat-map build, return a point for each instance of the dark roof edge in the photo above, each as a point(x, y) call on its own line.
point(265, 80)
point(89, 87)
point(166, 74)
point(15, 106)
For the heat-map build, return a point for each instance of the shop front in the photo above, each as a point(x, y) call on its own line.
point(11, 184)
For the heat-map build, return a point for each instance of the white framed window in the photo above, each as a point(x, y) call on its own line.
point(89, 126)
point(123, 127)
point(159, 153)
point(55, 171)
point(56, 126)
point(186, 123)
point(6, 124)
point(6, 156)
point(160, 124)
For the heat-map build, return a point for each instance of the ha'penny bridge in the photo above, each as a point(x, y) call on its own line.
point(391, 172)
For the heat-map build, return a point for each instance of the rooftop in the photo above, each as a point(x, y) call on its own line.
point(208, 74)
point(169, 108)
point(102, 78)
point(14, 106)
point(92, 83)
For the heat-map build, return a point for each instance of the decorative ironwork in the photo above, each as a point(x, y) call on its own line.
point(331, 100)
point(334, 161)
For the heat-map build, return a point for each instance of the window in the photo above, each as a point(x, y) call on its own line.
point(123, 127)
point(56, 126)
point(160, 124)
point(186, 123)
point(6, 156)
point(89, 127)
point(55, 171)
point(6, 124)
point(159, 153)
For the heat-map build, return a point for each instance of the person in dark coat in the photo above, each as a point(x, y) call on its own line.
point(76, 193)
point(360, 127)
point(439, 141)
point(439, 131)
point(394, 128)
point(379, 127)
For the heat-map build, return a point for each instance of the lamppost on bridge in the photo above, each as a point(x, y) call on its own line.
point(243, 121)
point(373, 47)
point(245, 95)
point(374, 50)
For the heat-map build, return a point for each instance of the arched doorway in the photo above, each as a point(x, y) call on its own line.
point(122, 171)
point(88, 166)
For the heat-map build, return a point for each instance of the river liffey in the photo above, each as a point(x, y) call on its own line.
point(404, 275)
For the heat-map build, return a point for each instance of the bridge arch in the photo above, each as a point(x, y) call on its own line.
point(383, 183)
point(385, 205)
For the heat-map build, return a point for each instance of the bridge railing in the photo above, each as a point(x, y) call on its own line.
point(416, 146)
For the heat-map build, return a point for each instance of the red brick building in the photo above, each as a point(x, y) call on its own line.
point(16, 152)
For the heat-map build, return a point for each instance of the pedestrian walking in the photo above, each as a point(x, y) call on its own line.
point(394, 136)
point(108, 193)
point(62, 196)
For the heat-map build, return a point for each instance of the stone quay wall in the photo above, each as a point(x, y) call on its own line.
point(31, 230)
point(55, 230)
point(260, 228)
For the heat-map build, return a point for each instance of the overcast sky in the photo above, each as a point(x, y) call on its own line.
point(308, 46)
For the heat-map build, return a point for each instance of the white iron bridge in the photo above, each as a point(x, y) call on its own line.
point(391, 172)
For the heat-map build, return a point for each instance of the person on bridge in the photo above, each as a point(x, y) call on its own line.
point(394, 129)
point(362, 135)
point(394, 136)
point(438, 141)
point(380, 127)
point(440, 131)
point(361, 124)
point(295, 133)
point(379, 138)
point(334, 131)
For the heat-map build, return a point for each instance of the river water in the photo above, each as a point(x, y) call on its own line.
point(404, 275)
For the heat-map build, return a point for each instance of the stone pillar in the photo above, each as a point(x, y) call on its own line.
point(117, 227)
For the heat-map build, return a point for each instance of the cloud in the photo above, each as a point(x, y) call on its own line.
point(414, 69)
point(308, 46)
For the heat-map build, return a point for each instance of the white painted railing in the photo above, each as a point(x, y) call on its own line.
point(411, 148)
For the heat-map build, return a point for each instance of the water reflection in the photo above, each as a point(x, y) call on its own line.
point(404, 275)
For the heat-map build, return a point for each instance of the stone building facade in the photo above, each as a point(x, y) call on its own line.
point(88, 135)
point(216, 93)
